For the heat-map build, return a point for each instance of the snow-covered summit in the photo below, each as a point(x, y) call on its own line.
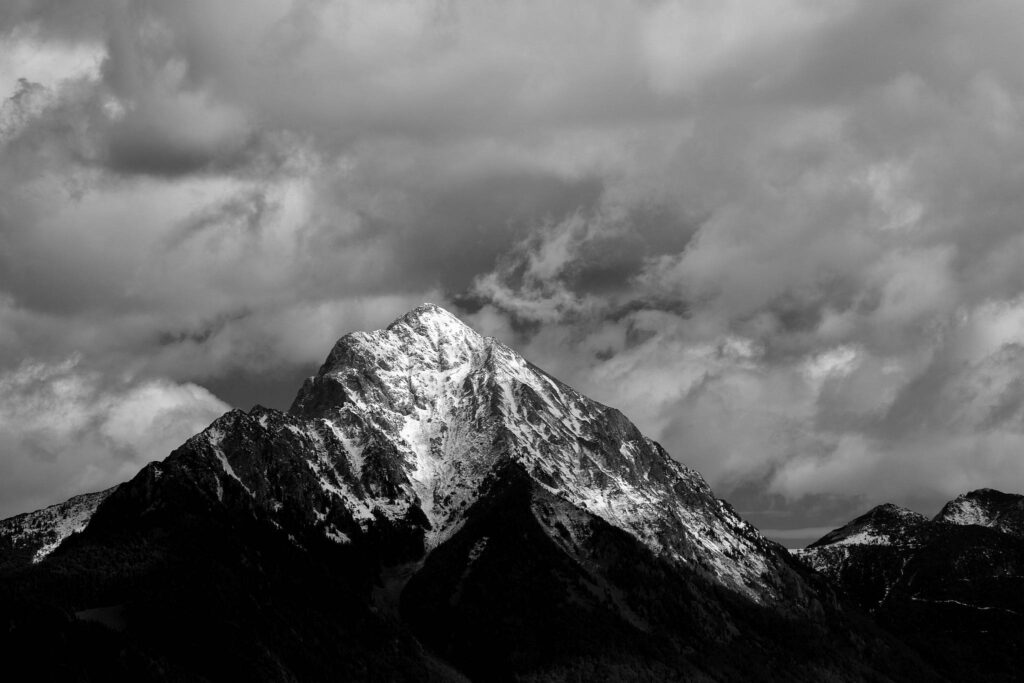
point(427, 336)
point(986, 507)
point(411, 420)
point(435, 321)
point(885, 524)
point(886, 529)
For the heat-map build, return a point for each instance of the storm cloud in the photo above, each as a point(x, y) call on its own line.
point(785, 237)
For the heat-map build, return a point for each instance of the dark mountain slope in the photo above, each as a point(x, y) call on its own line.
point(534, 584)
point(194, 591)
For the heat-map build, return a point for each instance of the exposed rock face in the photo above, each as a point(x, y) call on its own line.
point(953, 586)
point(430, 486)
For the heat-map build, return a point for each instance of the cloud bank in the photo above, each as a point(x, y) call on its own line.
point(785, 237)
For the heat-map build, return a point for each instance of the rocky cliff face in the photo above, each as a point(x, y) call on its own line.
point(431, 487)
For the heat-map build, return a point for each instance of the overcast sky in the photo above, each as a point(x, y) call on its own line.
point(785, 237)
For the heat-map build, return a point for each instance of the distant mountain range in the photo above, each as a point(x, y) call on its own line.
point(435, 507)
point(952, 587)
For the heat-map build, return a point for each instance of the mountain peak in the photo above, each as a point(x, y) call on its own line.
point(883, 524)
point(428, 339)
point(429, 313)
point(893, 511)
point(987, 495)
point(985, 507)
point(428, 409)
point(433, 322)
point(430, 326)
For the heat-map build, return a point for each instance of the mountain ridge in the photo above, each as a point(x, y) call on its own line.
point(950, 586)
point(433, 505)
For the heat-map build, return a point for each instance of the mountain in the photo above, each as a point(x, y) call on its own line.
point(431, 507)
point(986, 507)
point(951, 586)
point(886, 524)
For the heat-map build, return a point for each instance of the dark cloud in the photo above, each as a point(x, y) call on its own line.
point(450, 235)
point(139, 149)
point(248, 209)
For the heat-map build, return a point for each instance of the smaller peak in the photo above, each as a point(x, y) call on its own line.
point(984, 496)
point(893, 509)
point(890, 511)
point(984, 507)
point(880, 525)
